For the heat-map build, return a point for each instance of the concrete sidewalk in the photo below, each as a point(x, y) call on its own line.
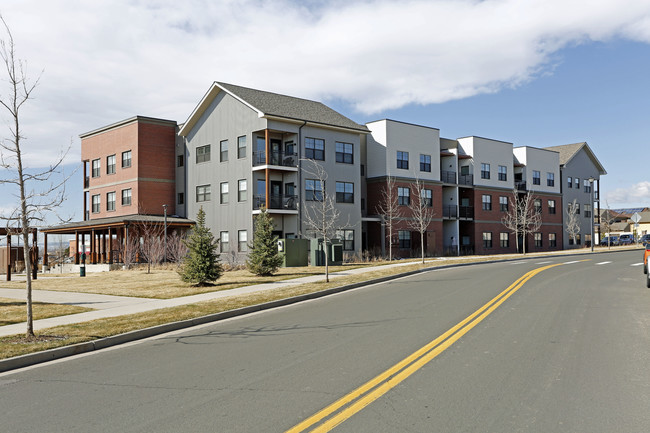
point(113, 306)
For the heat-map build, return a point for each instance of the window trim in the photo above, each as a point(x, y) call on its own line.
point(204, 192)
point(203, 154)
point(315, 147)
point(343, 156)
point(344, 196)
point(129, 159)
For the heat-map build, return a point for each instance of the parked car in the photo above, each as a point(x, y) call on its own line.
point(609, 240)
point(645, 239)
point(626, 239)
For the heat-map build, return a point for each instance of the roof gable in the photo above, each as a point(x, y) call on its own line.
point(569, 151)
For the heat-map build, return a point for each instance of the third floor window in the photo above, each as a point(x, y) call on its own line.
point(110, 164)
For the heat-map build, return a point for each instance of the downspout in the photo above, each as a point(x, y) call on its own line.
point(300, 178)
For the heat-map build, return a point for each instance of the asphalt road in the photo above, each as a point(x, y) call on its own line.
point(567, 350)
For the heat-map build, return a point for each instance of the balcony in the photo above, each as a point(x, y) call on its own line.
point(86, 182)
point(276, 201)
point(466, 179)
point(281, 159)
point(450, 211)
point(448, 176)
point(466, 212)
point(520, 186)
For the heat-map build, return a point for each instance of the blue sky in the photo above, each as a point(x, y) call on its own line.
point(531, 72)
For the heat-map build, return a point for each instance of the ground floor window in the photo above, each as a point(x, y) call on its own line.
point(223, 241)
point(552, 241)
point(538, 240)
point(504, 240)
point(347, 236)
point(487, 239)
point(242, 241)
point(404, 237)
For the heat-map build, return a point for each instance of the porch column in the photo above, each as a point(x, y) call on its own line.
point(93, 246)
point(45, 262)
point(8, 256)
point(110, 247)
point(76, 247)
point(83, 246)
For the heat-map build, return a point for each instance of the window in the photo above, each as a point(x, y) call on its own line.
point(313, 190)
point(315, 148)
point(126, 159)
point(552, 242)
point(96, 167)
point(223, 188)
point(569, 181)
point(347, 236)
point(404, 237)
point(223, 150)
point(485, 171)
point(241, 190)
point(180, 198)
point(503, 203)
point(202, 193)
point(578, 239)
point(538, 240)
point(180, 160)
point(425, 163)
point(537, 205)
point(536, 177)
point(242, 241)
point(241, 147)
point(344, 153)
point(504, 241)
point(587, 185)
point(403, 196)
point(503, 172)
point(487, 202)
point(110, 164)
point(224, 241)
point(487, 239)
point(587, 211)
point(203, 154)
point(577, 208)
point(110, 201)
point(426, 197)
point(126, 197)
point(344, 192)
point(550, 179)
point(551, 207)
point(576, 182)
point(402, 160)
point(96, 203)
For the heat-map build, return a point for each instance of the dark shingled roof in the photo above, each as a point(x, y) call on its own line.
point(119, 220)
point(568, 151)
point(274, 104)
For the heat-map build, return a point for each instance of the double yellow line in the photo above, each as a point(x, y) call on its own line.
point(361, 397)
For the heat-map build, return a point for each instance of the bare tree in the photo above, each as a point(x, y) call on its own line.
point(422, 211)
point(389, 209)
point(129, 250)
point(607, 219)
point(572, 221)
point(39, 191)
point(523, 217)
point(321, 214)
point(152, 245)
point(177, 247)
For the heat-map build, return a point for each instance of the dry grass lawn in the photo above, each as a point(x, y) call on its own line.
point(15, 311)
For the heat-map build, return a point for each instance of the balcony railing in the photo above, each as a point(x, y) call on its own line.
point(466, 212)
point(275, 158)
point(520, 186)
point(276, 201)
point(450, 211)
point(448, 176)
point(466, 179)
point(86, 182)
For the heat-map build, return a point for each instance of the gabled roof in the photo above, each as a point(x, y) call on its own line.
point(568, 151)
point(274, 105)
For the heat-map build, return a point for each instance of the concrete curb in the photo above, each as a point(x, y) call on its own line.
point(102, 343)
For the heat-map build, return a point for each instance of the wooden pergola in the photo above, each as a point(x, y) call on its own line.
point(33, 250)
point(104, 233)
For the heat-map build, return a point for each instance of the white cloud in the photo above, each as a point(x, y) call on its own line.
point(105, 61)
point(638, 194)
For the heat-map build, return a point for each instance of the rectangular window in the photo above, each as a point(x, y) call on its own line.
point(315, 149)
point(569, 181)
point(503, 203)
point(425, 163)
point(504, 240)
point(347, 236)
point(402, 160)
point(180, 198)
point(313, 190)
point(537, 204)
point(241, 190)
point(487, 202)
point(180, 160)
point(550, 179)
point(126, 197)
point(203, 153)
point(224, 241)
point(577, 208)
point(487, 239)
point(538, 240)
point(96, 168)
point(110, 201)
point(96, 203)
point(110, 164)
point(537, 178)
point(552, 242)
point(587, 210)
point(223, 150)
point(503, 173)
point(126, 159)
point(242, 241)
point(427, 197)
point(551, 207)
point(578, 239)
point(241, 147)
point(587, 185)
point(344, 192)
point(202, 193)
point(223, 189)
point(576, 182)
point(404, 237)
point(485, 171)
point(403, 196)
point(344, 153)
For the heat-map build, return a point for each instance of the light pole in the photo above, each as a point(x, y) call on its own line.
point(165, 234)
point(591, 219)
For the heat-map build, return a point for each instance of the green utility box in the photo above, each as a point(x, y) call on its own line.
point(295, 252)
point(335, 249)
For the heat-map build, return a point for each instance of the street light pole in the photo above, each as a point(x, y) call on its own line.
point(591, 220)
point(165, 234)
